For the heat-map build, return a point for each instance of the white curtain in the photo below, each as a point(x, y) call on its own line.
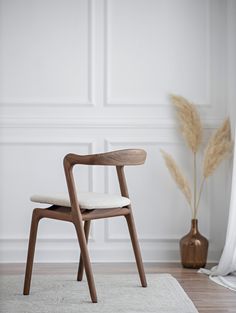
point(225, 272)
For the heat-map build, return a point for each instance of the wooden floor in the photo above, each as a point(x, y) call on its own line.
point(207, 296)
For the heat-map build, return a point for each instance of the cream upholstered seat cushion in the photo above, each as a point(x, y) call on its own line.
point(87, 200)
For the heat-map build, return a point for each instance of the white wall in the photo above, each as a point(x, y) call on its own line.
point(88, 76)
point(232, 61)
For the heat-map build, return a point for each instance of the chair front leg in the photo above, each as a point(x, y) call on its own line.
point(81, 264)
point(86, 260)
point(31, 250)
point(136, 248)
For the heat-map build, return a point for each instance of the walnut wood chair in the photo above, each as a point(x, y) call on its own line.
point(81, 208)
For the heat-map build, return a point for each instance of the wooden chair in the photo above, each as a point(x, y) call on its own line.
point(71, 210)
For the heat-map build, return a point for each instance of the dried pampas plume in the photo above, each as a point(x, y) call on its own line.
point(177, 175)
point(218, 148)
point(190, 122)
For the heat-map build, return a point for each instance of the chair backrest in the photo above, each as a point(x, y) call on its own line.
point(115, 158)
point(119, 158)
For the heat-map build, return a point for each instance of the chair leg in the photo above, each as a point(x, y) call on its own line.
point(86, 259)
point(136, 248)
point(81, 264)
point(31, 249)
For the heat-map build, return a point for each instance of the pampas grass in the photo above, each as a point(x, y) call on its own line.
point(192, 131)
point(190, 122)
point(217, 149)
point(178, 177)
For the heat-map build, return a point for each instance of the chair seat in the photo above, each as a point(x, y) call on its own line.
point(87, 200)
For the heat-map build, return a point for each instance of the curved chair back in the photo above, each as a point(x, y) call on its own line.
point(115, 158)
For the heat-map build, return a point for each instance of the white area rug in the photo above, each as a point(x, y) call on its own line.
point(116, 294)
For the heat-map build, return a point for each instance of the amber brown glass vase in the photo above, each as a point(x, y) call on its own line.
point(193, 248)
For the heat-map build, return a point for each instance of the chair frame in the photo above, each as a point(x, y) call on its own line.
point(82, 218)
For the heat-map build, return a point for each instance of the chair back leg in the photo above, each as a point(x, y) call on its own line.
point(81, 264)
point(31, 250)
point(86, 260)
point(136, 248)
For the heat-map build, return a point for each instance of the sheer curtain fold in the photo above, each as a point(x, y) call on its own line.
point(225, 272)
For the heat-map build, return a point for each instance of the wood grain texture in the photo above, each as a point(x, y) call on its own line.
point(207, 296)
point(115, 158)
point(81, 263)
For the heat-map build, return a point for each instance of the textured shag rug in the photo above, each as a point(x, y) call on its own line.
point(116, 294)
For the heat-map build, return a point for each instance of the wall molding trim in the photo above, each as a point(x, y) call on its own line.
point(108, 143)
point(111, 238)
point(151, 103)
point(102, 122)
point(67, 250)
point(62, 102)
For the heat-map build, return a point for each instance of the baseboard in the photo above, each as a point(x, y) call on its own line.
point(67, 251)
